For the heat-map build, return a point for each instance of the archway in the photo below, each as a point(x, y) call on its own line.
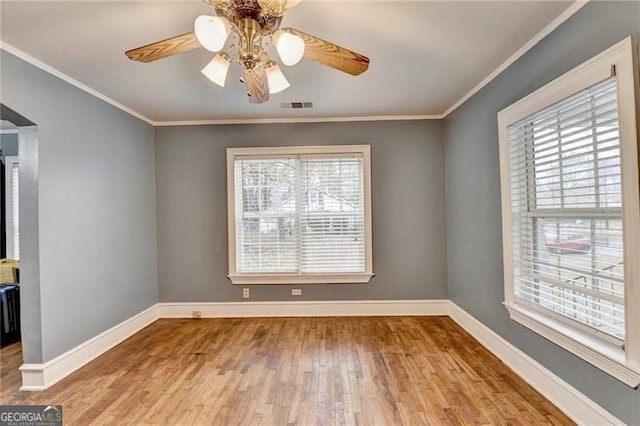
point(30, 302)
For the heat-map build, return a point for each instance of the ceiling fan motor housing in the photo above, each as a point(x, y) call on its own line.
point(246, 8)
point(252, 23)
point(238, 10)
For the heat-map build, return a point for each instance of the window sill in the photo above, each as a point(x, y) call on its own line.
point(605, 356)
point(246, 279)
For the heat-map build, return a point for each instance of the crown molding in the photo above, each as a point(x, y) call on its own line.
point(64, 77)
point(524, 49)
point(569, 12)
point(299, 120)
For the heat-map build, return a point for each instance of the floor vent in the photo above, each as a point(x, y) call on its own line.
point(296, 105)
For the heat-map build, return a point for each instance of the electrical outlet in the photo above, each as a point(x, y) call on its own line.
point(196, 314)
point(296, 292)
point(245, 293)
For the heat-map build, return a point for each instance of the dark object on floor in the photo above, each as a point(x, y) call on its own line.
point(9, 314)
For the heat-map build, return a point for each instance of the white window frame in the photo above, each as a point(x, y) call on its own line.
point(623, 364)
point(12, 229)
point(284, 278)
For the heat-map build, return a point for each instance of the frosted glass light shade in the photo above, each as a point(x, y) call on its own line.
point(212, 31)
point(275, 78)
point(290, 47)
point(217, 69)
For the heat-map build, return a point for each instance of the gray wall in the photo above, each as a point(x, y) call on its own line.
point(473, 193)
point(408, 209)
point(96, 197)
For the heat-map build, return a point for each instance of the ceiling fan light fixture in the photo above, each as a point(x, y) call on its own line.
point(212, 31)
point(246, 32)
point(276, 79)
point(290, 47)
point(217, 69)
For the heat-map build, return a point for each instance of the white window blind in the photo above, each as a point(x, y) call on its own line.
point(265, 216)
point(15, 211)
point(12, 208)
point(332, 214)
point(571, 211)
point(300, 214)
point(567, 212)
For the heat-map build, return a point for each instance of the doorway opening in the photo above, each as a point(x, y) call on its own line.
point(20, 328)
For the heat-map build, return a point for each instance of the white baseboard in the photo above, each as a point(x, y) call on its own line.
point(572, 402)
point(305, 308)
point(37, 377)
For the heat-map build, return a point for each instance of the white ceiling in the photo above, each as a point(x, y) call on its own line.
point(425, 55)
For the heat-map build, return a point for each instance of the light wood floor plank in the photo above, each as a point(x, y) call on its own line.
point(292, 371)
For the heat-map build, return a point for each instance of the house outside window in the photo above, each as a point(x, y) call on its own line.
point(299, 214)
point(571, 211)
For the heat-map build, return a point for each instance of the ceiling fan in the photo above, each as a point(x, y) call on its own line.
point(238, 32)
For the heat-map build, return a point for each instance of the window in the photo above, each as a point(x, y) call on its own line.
point(12, 208)
point(299, 214)
point(571, 211)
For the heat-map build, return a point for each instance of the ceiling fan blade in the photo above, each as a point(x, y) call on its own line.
point(330, 54)
point(257, 85)
point(164, 48)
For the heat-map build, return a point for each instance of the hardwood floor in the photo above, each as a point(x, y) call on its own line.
point(292, 371)
point(10, 380)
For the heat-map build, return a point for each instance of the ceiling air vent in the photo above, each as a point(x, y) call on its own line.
point(296, 105)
